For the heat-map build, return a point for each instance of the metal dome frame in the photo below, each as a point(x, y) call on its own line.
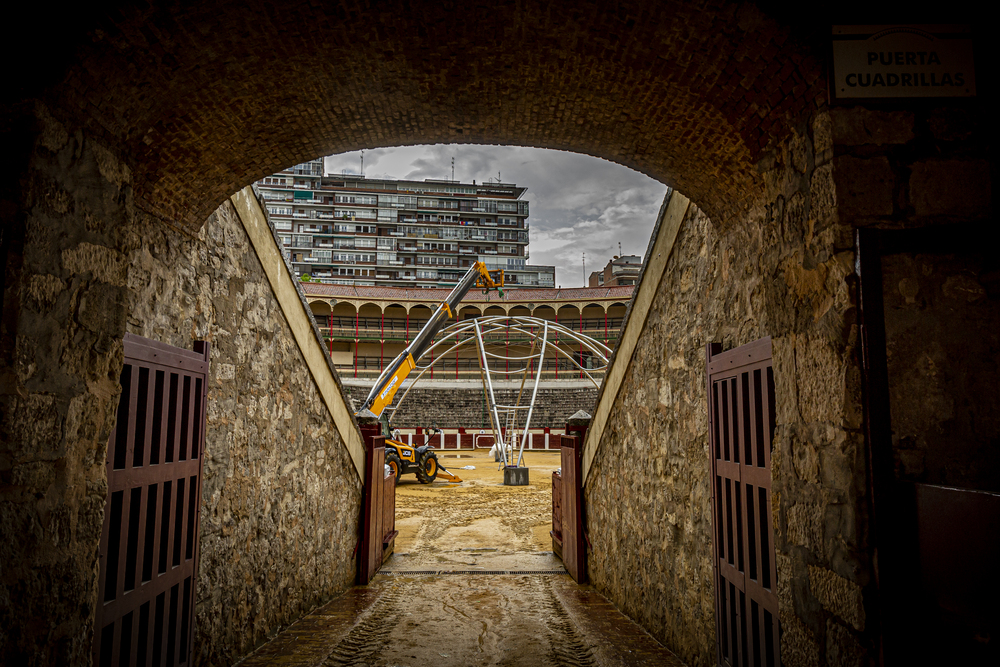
point(512, 421)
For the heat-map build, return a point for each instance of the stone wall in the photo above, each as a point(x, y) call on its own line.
point(942, 321)
point(785, 270)
point(64, 312)
point(781, 272)
point(448, 407)
point(280, 497)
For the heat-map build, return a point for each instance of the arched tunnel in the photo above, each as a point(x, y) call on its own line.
point(129, 142)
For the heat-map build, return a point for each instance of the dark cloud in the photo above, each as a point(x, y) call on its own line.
point(579, 204)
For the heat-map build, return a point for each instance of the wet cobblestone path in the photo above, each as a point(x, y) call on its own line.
point(460, 619)
point(439, 600)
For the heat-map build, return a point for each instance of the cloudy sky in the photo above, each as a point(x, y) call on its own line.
point(579, 204)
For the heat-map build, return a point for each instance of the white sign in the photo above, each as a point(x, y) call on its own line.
point(878, 61)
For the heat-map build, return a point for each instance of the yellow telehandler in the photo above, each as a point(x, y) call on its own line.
point(421, 460)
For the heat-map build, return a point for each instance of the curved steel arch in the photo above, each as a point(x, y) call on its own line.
point(513, 421)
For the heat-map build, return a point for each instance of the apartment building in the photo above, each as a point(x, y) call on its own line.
point(350, 230)
point(622, 270)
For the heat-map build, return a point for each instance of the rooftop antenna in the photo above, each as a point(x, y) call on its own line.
point(619, 248)
point(584, 269)
point(363, 165)
point(452, 168)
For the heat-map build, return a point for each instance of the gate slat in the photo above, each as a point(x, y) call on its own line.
point(173, 577)
point(132, 410)
point(740, 390)
point(129, 479)
point(178, 615)
point(123, 545)
point(180, 542)
point(170, 511)
point(148, 474)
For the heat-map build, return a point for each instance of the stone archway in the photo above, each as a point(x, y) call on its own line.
point(158, 114)
point(686, 108)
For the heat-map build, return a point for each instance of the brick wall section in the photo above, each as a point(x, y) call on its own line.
point(465, 408)
point(280, 496)
point(687, 92)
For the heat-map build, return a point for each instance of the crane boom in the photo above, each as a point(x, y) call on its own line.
point(391, 379)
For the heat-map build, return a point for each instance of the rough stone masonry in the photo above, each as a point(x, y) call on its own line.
point(167, 110)
point(785, 271)
point(280, 496)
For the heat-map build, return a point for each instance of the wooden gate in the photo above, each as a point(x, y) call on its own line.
point(741, 427)
point(556, 532)
point(574, 548)
point(149, 543)
point(378, 508)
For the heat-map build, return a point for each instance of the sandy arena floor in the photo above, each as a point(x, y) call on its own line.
point(479, 524)
point(430, 606)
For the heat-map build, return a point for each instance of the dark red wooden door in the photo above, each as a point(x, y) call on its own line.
point(149, 544)
point(574, 549)
point(378, 508)
point(741, 427)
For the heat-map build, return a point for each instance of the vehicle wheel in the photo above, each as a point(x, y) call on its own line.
point(428, 467)
point(392, 460)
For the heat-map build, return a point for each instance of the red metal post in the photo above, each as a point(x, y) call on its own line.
point(506, 352)
point(381, 342)
point(581, 344)
point(557, 349)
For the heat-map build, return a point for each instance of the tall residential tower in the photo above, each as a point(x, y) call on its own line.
point(350, 230)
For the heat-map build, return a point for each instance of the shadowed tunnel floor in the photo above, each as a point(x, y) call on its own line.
point(466, 619)
point(438, 602)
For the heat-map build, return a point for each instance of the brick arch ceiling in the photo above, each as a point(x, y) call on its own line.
point(204, 100)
